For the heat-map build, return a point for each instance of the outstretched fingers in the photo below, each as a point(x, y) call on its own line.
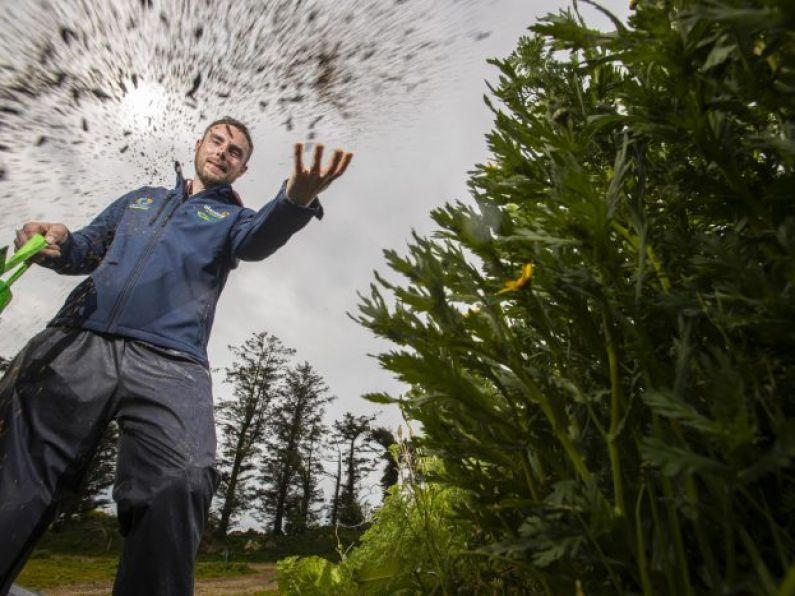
point(339, 164)
point(336, 160)
point(316, 165)
point(305, 184)
point(298, 159)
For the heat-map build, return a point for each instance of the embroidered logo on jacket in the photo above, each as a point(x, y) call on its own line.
point(211, 215)
point(142, 203)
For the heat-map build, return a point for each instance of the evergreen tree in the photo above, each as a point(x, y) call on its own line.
point(348, 431)
point(335, 499)
point(303, 512)
point(294, 430)
point(385, 439)
point(97, 479)
point(256, 375)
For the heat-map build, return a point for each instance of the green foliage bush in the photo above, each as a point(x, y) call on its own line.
point(415, 546)
point(256, 546)
point(621, 415)
point(95, 535)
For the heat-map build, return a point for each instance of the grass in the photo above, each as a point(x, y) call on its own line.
point(88, 551)
point(214, 569)
point(44, 570)
point(59, 570)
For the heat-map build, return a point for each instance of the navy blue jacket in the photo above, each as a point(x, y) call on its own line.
point(159, 258)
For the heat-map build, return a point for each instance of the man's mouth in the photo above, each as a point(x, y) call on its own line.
point(217, 167)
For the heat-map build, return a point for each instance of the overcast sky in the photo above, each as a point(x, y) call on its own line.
point(411, 155)
point(418, 162)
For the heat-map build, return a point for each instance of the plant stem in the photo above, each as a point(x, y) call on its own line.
point(615, 418)
point(763, 573)
point(643, 563)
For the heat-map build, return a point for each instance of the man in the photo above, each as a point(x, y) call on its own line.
point(130, 343)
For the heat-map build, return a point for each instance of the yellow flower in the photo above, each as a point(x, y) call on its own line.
point(514, 284)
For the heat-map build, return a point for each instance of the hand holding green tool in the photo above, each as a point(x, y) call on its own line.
point(19, 260)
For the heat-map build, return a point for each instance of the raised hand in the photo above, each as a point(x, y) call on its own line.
point(304, 185)
point(55, 234)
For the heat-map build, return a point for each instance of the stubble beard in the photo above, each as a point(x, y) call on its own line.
point(208, 179)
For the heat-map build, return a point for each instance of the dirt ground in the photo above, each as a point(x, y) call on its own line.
point(263, 580)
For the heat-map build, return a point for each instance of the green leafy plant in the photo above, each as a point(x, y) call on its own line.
point(415, 546)
point(601, 346)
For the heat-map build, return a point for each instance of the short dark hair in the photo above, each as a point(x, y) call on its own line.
point(228, 120)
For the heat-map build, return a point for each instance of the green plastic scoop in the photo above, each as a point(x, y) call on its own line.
point(18, 260)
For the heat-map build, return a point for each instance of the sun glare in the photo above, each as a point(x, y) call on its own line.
point(143, 105)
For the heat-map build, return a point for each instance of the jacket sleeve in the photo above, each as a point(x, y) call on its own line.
point(258, 234)
point(84, 250)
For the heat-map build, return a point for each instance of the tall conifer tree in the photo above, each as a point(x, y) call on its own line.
point(349, 430)
point(98, 477)
point(303, 512)
point(294, 427)
point(384, 438)
point(257, 375)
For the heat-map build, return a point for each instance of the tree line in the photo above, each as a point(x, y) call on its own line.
point(274, 444)
point(275, 449)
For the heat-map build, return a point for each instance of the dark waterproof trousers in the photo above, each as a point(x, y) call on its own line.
point(59, 395)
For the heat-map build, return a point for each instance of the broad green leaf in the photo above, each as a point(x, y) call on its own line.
point(675, 461)
point(665, 404)
point(380, 398)
point(720, 53)
point(383, 570)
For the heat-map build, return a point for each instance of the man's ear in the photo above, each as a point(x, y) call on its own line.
point(198, 144)
point(244, 169)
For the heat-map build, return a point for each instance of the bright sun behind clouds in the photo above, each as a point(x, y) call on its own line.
point(143, 106)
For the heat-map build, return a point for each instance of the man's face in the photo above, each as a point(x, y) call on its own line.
point(221, 155)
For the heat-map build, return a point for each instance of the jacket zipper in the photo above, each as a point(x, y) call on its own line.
point(114, 313)
point(134, 277)
point(159, 212)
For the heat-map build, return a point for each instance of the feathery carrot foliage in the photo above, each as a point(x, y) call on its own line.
point(624, 418)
